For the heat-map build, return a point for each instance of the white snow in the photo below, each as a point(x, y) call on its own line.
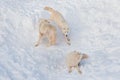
point(95, 30)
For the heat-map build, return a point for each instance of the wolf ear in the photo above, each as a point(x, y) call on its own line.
point(85, 56)
point(47, 21)
point(74, 51)
point(77, 52)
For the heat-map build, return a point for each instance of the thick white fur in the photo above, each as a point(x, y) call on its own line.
point(47, 30)
point(73, 59)
point(59, 19)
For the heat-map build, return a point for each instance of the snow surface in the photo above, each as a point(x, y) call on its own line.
point(95, 30)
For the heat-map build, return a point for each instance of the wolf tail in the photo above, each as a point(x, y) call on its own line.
point(49, 9)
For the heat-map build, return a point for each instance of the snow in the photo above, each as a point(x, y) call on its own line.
point(95, 30)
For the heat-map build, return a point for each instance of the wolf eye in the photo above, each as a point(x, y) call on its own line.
point(47, 21)
point(67, 29)
point(63, 28)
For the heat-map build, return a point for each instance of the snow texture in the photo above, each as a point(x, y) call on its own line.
point(95, 30)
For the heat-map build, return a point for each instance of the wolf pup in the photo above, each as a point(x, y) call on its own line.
point(73, 59)
point(59, 19)
point(47, 30)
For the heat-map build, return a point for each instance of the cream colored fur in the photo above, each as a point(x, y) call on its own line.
point(47, 30)
point(59, 19)
point(73, 59)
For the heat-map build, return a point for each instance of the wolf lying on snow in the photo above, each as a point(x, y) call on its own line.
point(73, 59)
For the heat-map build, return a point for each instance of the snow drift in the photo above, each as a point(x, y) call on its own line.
point(95, 30)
